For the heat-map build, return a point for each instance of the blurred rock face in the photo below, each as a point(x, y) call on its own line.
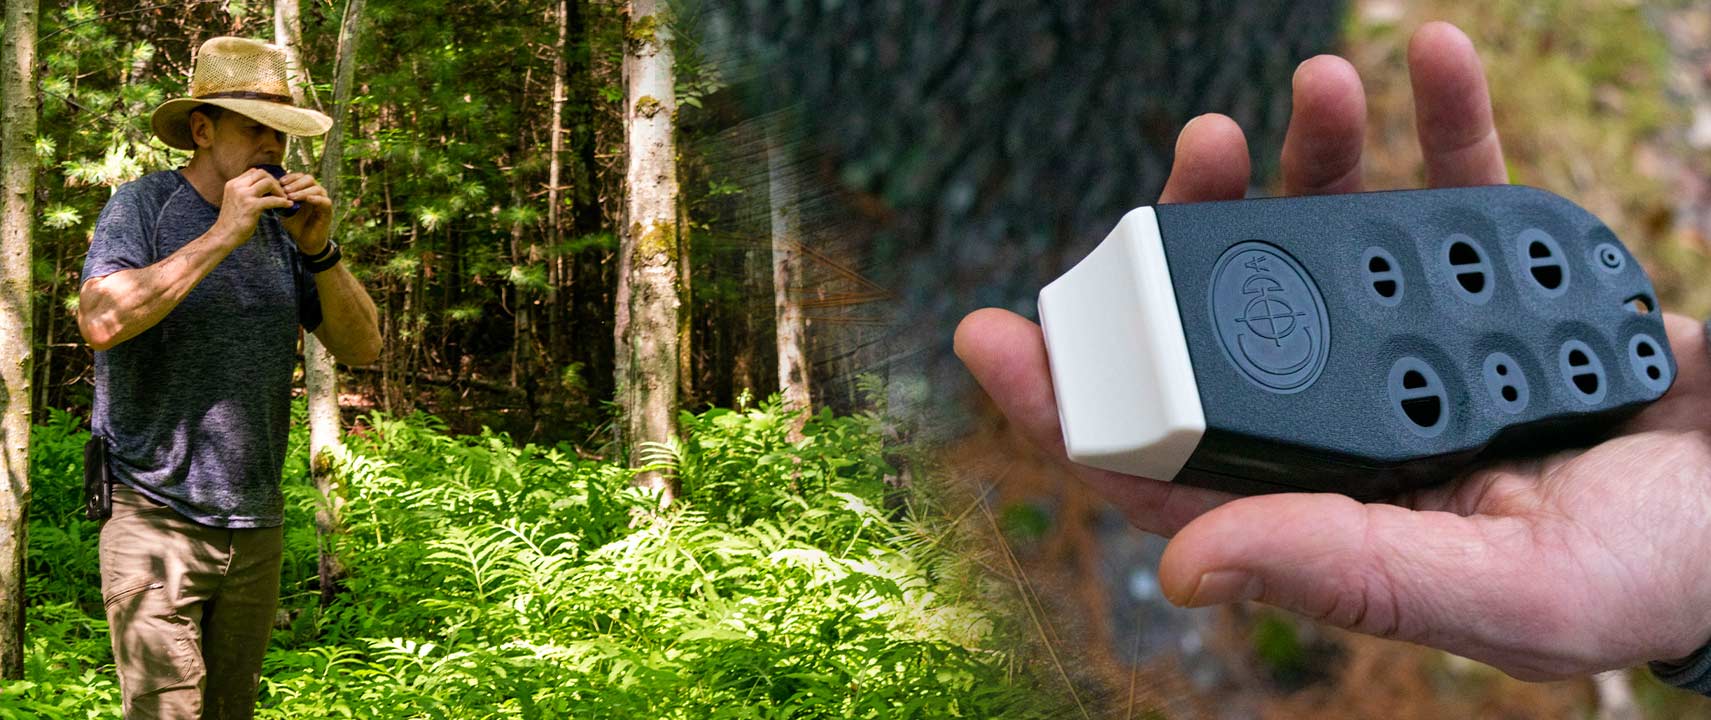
point(979, 147)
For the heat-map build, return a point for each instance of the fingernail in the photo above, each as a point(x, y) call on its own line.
point(1184, 132)
point(1225, 586)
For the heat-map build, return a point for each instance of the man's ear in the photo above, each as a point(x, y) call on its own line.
point(201, 130)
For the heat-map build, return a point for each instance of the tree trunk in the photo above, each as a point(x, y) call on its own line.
point(793, 368)
point(520, 305)
point(686, 293)
point(650, 240)
point(288, 34)
point(320, 373)
point(555, 177)
point(584, 198)
point(17, 196)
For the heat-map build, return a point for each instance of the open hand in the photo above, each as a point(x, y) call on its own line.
point(1582, 561)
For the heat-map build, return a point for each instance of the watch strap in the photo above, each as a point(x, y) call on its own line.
point(325, 260)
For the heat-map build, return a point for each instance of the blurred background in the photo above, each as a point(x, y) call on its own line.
point(981, 148)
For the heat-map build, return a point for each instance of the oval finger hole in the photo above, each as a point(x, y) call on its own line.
point(1582, 371)
point(1418, 397)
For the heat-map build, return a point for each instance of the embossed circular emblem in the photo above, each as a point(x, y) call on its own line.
point(1269, 317)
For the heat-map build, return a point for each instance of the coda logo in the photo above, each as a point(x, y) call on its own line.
point(1269, 317)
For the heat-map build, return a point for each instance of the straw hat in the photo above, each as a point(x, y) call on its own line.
point(246, 77)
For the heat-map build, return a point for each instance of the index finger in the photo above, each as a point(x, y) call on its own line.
point(297, 180)
point(1211, 162)
point(1452, 110)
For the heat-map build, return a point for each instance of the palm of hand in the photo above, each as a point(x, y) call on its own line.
point(1582, 561)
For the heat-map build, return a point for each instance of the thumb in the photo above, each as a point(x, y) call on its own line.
point(1433, 577)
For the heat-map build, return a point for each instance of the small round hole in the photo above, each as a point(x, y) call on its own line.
point(1413, 380)
point(1377, 264)
point(1576, 358)
point(1506, 380)
point(1609, 259)
point(1654, 373)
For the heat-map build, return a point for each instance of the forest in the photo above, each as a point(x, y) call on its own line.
point(666, 422)
point(600, 468)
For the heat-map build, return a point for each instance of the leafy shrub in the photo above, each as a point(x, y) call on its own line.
point(788, 580)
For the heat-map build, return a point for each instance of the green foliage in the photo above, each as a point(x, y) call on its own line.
point(789, 580)
point(1277, 644)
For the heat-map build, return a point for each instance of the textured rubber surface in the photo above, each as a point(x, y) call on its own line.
point(1371, 343)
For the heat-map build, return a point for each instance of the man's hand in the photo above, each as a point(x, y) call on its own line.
point(1582, 561)
point(310, 226)
point(242, 202)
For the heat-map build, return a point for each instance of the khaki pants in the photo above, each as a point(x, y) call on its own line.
point(190, 609)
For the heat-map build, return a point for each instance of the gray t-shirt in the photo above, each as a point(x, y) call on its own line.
point(196, 409)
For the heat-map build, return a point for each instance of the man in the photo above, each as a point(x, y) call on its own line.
point(192, 295)
point(1582, 561)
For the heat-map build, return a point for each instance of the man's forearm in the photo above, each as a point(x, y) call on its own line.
point(350, 326)
point(117, 307)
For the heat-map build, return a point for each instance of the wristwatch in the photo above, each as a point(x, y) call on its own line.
point(325, 260)
point(1694, 672)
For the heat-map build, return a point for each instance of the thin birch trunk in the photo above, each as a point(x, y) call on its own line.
point(555, 176)
point(650, 242)
point(320, 373)
point(793, 368)
point(17, 196)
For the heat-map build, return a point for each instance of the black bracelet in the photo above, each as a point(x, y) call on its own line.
point(1692, 673)
point(322, 255)
point(325, 261)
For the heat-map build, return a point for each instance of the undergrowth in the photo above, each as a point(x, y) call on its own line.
point(789, 580)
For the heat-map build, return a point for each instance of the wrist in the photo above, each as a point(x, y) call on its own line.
point(316, 251)
point(227, 237)
point(323, 261)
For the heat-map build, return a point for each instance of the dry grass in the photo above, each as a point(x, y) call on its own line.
point(1587, 100)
